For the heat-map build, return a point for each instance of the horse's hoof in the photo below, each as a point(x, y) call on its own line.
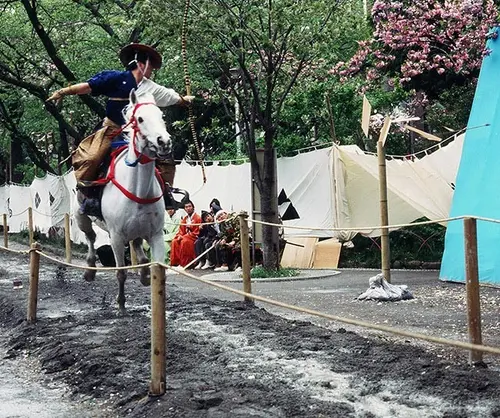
point(121, 305)
point(89, 275)
point(145, 276)
point(145, 280)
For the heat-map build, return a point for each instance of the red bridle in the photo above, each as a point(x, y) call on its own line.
point(141, 159)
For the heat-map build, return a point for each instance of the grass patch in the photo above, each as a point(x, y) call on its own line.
point(263, 273)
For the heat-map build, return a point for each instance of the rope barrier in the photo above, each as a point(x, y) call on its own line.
point(250, 296)
point(355, 322)
point(9, 250)
point(20, 213)
point(64, 263)
point(369, 228)
point(360, 228)
point(207, 223)
point(364, 324)
point(41, 213)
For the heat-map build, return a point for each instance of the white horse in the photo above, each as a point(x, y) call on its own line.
point(132, 203)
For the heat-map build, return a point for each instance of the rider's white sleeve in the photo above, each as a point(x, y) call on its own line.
point(163, 96)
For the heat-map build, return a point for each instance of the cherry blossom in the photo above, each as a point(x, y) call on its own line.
point(418, 37)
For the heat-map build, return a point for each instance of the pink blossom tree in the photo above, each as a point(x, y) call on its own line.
point(423, 42)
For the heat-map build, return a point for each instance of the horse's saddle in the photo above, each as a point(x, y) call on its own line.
point(93, 190)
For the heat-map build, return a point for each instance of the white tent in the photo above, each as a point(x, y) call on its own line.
point(335, 187)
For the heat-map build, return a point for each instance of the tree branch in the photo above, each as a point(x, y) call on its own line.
point(58, 62)
point(99, 18)
point(36, 156)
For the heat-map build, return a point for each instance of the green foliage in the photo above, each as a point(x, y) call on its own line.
point(260, 272)
point(409, 247)
point(451, 109)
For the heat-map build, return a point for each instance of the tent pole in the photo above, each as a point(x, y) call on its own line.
point(384, 215)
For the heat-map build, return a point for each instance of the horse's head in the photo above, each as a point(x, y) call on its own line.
point(150, 134)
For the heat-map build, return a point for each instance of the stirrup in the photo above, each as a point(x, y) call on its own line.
point(91, 207)
point(169, 197)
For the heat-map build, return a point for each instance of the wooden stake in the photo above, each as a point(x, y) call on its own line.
point(158, 321)
point(384, 213)
point(67, 237)
point(472, 287)
point(30, 224)
point(5, 231)
point(385, 130)
point(245, 255)
point(365, 116)
point(33, 287)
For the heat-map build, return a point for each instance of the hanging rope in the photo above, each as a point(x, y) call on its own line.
point(187, 81)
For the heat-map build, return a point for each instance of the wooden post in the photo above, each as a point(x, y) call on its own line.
point(245, 255)
point(5, 231)
point(158, 360)
point(384, 214)
point(30, 224)
point(472, 287)
point(67, 237)
point(33, 287)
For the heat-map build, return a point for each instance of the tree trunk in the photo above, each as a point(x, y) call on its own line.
point(269, 206)
point(16, 158)
point(64, 146)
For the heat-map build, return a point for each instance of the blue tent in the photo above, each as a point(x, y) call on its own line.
point(477, 190)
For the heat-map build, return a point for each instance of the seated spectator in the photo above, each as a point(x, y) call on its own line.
point(206, 239)
point(229, 239)
point(170, 229)
point(182, 252)
point(214, 206)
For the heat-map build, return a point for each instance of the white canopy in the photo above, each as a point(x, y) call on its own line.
point(329, 188)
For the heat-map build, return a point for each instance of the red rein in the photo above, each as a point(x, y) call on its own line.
point(141, 159)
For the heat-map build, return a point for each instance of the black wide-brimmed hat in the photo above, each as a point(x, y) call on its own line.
point(128, 54)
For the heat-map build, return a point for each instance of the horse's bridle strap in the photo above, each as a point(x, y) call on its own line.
point(111, 178)
point(141, 159)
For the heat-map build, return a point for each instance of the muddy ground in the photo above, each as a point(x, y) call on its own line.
point(227, 359)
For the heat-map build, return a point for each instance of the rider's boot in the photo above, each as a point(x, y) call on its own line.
point(91, 204)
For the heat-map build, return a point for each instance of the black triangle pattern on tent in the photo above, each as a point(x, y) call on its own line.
point(51, 198)
point(285, 206)
point(282, 197)
point(38, 200)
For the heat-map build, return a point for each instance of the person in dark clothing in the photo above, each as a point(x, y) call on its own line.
point(206, 239)
point(228, 239)
point(214, 206)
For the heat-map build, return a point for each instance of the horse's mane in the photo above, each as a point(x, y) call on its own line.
point(141, 98)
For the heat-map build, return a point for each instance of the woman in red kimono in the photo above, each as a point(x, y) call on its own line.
point(182, 251)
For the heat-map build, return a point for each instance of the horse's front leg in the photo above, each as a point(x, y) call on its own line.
point(85, 225)
point(157, 244)
point(121, 275)
point(142, 259)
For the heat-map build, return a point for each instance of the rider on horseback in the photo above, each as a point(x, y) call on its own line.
point(139, 61)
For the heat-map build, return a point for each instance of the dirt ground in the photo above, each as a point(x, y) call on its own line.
point(228, 359)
